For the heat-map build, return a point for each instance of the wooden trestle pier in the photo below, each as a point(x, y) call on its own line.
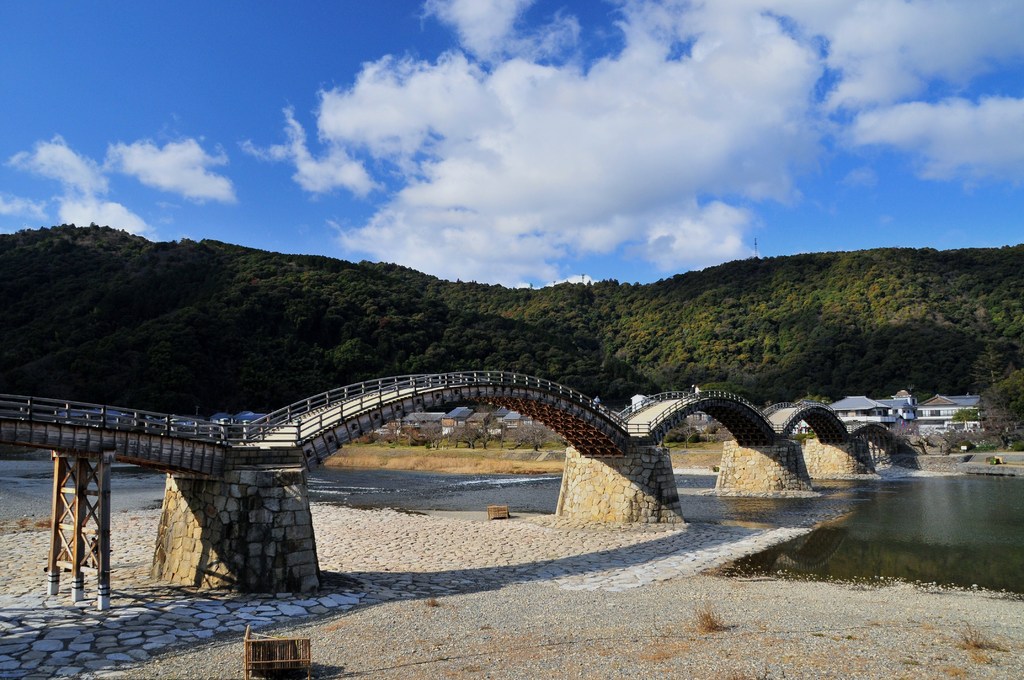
point(80, 535)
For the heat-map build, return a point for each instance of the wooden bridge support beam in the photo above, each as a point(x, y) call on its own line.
point(831, 461)
point(80, 523)
point(762, 469)
point(638, 486)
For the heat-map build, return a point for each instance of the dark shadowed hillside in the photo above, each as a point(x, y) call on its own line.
point(96, 314)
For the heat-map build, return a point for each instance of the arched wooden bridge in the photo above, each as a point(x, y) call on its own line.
point(321, 424)
point(213, 463)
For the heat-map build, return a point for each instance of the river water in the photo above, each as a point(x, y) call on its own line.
point(961, 531)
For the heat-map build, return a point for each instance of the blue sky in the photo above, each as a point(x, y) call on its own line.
point(520, 141)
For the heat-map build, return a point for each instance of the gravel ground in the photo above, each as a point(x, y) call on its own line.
point(773, 629)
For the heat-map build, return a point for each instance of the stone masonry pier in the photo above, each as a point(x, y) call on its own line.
point(762, 469)
point(636, 487)
point(825, 461)
point(250, 530)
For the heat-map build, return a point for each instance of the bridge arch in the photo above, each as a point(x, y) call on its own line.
point(820, 417)
point(662, 412)
point(321, 424)
point(880, 441)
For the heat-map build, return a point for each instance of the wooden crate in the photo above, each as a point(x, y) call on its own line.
point(497, 512)
point(266, 654)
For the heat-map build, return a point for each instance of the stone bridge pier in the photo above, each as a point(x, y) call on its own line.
point(249, 530)
point(638, 486)
point(832, 460)
point(762, 469)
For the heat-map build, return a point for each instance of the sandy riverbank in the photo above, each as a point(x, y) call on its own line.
point(772, 630)
point(440, 596)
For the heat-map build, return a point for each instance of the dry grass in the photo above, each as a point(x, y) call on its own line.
point(707, 620)
point(469, 462)
point(432, 602)
point(337, 625)
point(973, 639)
point(697, 458)
point(740, 675)
point(13, 526)
point(663, 650)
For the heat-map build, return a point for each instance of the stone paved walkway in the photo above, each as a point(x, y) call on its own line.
point(366, 556)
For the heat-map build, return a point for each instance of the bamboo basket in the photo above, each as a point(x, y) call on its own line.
point(267, 655)
point(497, 512)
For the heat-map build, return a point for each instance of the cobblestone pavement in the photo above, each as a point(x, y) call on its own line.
point(366, 556)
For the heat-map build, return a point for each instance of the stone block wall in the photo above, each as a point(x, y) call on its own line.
point(762, 469)
point(825, 461)
point(251, 531)
point(636, 487)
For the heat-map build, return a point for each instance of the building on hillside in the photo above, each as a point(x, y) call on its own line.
point(898, 412)
point(479, 420)
point(514, 419)
point(497, 420)
point(864, 410)
point(936, 414)
point(416, 421)
point(455, 418)
point(903, 405)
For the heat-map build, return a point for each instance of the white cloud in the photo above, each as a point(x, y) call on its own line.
point(483, 25)
point(335, 170)
point(179, 167)
point(486, 28)
point(88, 209)
point(22, 207)
point(501, 160)
point(888, 50)
point(702, 236)
point(56, 160)
point(506, 170)
point(83, 181)
point(954, 138)
point(860, 177)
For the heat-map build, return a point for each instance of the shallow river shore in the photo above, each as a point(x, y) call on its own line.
point(445, 595)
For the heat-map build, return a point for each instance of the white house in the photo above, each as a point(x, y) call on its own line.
point(865, 410)
point(895, 412)
point(936, 414)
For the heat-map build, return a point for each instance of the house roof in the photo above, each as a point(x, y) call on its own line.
point(900, 404)
point(860, 403)
point(961, 400)
point(478, 417)
point(459, 412)
point(423, 417)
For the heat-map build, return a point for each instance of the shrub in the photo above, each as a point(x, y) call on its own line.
point(972, 638)
point(707, 620)
point(1017, 445)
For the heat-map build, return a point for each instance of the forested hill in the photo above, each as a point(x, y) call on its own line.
point(98, 315)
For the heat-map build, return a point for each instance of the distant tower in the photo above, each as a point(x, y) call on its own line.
point(757, 255)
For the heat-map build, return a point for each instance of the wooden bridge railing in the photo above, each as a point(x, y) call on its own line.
point(371, 394)
point(41, 410)
point(645, 428)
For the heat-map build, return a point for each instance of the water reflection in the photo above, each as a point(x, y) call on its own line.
point(948, 530)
